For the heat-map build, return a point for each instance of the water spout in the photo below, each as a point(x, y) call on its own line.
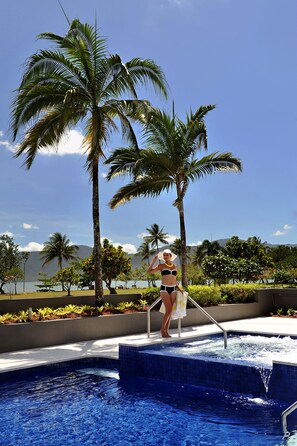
point(265, 375)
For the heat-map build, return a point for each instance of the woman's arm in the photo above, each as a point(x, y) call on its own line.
point(151, 269)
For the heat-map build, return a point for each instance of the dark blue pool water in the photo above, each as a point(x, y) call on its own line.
point(87, 405)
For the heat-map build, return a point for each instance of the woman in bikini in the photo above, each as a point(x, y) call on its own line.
point(169, 285)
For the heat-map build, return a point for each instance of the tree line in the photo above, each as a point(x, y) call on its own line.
point(241, 261)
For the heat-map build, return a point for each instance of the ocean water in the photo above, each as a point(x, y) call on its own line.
point(29, 287)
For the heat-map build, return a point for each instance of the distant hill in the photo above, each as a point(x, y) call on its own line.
point(34, 263)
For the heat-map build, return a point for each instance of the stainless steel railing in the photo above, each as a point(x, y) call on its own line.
point(284, 418)
point(179, 320)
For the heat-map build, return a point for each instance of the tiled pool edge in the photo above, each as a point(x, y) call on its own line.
point(146, 361)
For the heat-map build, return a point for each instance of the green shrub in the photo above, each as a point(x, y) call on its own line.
point(205, 295)
point(238, 293)
point(280, 311)
point(151, 294)
point(290, 312)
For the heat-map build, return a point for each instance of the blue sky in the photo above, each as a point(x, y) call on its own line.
point(239, 55)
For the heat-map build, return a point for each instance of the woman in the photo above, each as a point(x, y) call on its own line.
point(169, 285)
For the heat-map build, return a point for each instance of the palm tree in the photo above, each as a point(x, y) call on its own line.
point(207, 248)
point(156, 236)
point(176, 247)
point(169, 161)
point(144, 251)
point(80, 81)
point(58, 247)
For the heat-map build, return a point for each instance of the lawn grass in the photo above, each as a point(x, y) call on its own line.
point(38, 294)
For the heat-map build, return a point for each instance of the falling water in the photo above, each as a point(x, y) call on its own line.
point(265, 375)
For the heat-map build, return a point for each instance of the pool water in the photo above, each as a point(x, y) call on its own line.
point(248, 349)
point(83, 405)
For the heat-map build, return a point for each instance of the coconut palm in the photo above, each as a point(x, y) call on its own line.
point(79, 81)
point(144, 251)
point(156, 236)
point(169, 161)
point(207, 248)
point(176, 247)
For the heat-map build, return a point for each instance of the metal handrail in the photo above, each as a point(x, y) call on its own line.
point(179, 320)
point(284, 417)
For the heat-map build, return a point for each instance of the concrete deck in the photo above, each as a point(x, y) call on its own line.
point(108, 348)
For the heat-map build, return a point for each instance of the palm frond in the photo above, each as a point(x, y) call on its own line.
point(142, 187)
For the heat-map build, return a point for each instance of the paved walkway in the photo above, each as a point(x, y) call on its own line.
point(108, 348)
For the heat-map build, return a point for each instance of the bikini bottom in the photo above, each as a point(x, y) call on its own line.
point(167, 289)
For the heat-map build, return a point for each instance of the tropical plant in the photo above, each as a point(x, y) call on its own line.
point(10, 258)
point(169, 161)
point(144, 251)
point(58, 247)
point(79, 81)
point(156, 236)
point(207, 248)
point(68, 277)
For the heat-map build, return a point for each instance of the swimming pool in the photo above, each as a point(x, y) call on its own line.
point(85, 403)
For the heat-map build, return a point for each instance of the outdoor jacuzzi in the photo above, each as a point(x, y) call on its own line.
point(203, 361)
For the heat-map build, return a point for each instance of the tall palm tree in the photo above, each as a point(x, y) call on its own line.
point(176, 247)
point(156, 236)
point(207, 248)
point(169, 161)
point(79, 81)
point(144, 251)
point(58, 247)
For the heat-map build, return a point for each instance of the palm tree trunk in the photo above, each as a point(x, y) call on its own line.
point(183, 243)
point(96, 229)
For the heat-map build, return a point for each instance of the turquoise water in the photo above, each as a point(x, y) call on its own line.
point(83, 405)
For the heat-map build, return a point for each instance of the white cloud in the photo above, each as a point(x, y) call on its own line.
point(104, 174)
point(198, 243)
point(32, 246)
point(8, 145)
point(142, 235)
point(29, 226)
point(278, 233)
point(171, 238)
point(285, 229)
point(127, 247)
point(70, 143)
point(1, 133)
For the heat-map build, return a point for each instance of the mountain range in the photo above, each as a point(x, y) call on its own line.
point(34, 266)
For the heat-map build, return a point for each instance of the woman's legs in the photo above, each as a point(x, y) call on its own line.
point(168, 300)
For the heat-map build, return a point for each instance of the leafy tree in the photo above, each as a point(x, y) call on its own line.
point(10, 258)
point(207, 248)
point(220, 268)
point(284, 256)
point(46, 283)
point(169, 161)
point(252, 249)
point(80, 81)
point(114, 262)
point(13, 276)
point(67, 276)
point(156, 236)
point(58, 247)
point(196, 275)
point(24, 258)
